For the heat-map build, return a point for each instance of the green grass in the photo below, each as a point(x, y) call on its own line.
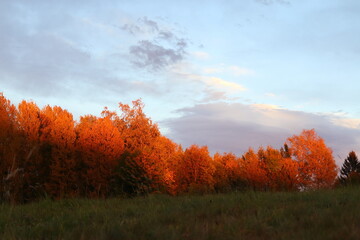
point(331, 214)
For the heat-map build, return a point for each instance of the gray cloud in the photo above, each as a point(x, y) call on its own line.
point(33, 60)
point(148, 54)
point(46, 53)
point(150, 23)
point(167, 35)
point(142, 25)
point(131, 28)
point(162, 47)
point(236, 127)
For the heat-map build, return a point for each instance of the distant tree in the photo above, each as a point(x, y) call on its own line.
point(10, 171)
point(131, 178)
point(58, 134)
point(288, 176)
point(100, 144)
point(195, 171)
point(350, 167)
point(285, 151)
point(254, 171)
point(227, 174)
point(30, 157)
point(317, 167)
point(142, 138)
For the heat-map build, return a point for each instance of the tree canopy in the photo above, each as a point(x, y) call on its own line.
point(45, 152)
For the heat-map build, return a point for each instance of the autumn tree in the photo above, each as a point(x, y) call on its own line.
point(137, 130)
point(271, 162)
point(195, 170)
point(141, 139)
point(317, 168)
point(253, 171)
point(162, 159)
point(285, 153)
point(9, 147)
point(350, 169)
point(58, 140)
point(101, 145)
point(227, 175)
point(31, 161)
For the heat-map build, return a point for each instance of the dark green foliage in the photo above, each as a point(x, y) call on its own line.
point(350, 169)
point(131, 178)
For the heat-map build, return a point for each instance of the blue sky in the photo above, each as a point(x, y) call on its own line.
point(228, 74)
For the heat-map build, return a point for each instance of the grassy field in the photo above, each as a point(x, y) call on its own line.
point(331, 214)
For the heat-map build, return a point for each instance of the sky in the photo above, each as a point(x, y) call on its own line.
point(227, 74)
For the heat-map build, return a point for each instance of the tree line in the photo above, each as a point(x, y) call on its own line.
point(45, 152)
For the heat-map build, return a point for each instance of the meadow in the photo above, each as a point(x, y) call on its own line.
point(322, 214)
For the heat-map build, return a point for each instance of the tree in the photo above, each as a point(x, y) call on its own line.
point(285, 153)
point(142, 139)
point(9, 148)
point(137, 130)
point(350, 167)
point(58, 135)
point(30, 158)
point(317, 168)
point(287, 178)
point(227, 174)
point(100, 145)
point(195, 171)
point(254, 171)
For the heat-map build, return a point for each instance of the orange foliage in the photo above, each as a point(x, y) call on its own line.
point(59, 133)
point(101, 145)
point(253, 171)
point(287, 177)
point(227, 174)
point(9, 147)
point(137, 130)
point(195, 170)
point(30, 159)
point(317, 168)
point(47, 152)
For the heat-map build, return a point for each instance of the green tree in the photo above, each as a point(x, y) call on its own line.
point(350, 168)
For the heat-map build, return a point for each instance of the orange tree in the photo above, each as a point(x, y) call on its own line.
point(227, 175)
point(195, 170)
point(317, 168)
point(58, 134)
point(100, 145)
point(9, 147)
point(253, 170)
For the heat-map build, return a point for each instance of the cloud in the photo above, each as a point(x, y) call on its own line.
point(270, 95)
point(148, 54)
point(167, 35)
point(131, 28)
point(47, 54)
point(158, 48)
point(238, 71)
point(347, 122)
point(221, 83)
point(150, 23)
point(214, 82)
point(234, 127)
point(141, 26)
point(269, 2)
point(231, 70)
point(201, 55)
